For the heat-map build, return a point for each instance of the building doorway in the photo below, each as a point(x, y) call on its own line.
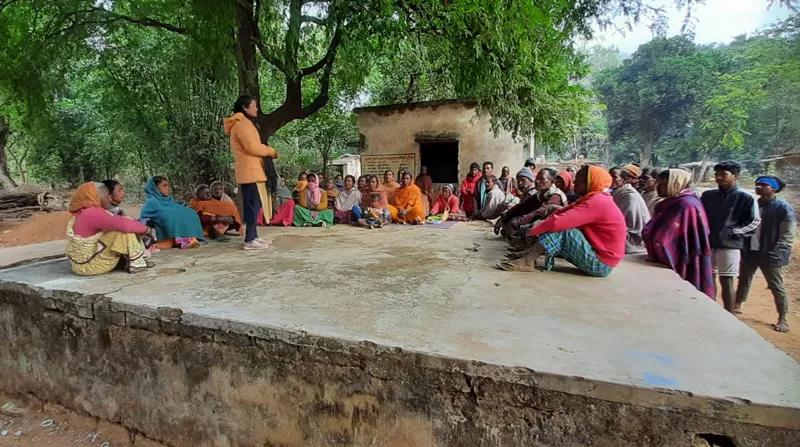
point(441, 159)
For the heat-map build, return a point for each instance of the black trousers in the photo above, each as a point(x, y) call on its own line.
point(251, 202)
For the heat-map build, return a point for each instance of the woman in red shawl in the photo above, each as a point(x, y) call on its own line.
point(468, 188)
point(677, 235)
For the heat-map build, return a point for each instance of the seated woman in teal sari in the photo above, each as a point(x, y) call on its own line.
point(312, 205)
point(175, 225)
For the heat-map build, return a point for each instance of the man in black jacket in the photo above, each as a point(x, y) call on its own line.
point(770, 247)
point(732, 217)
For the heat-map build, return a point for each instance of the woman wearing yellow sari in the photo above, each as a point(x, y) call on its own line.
point(97, 240)
point(409, 202)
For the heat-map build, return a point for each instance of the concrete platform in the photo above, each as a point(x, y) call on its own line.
point(641, 337)
point(28, 254)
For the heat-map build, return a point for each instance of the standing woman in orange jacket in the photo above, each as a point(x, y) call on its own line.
point(249, 154)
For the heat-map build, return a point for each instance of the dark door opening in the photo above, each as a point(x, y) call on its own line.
point(441, 159)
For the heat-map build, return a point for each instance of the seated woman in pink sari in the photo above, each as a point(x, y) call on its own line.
point(677, 236)
point(285, 214)
point(446, 200)
point(98, 241)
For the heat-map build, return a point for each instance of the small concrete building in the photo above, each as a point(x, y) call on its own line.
point(786, 166)
point(444, 136)
point(347, 164)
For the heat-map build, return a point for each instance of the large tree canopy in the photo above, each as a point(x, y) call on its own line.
point(514, 56)
point(675, 101)
point(158, 75)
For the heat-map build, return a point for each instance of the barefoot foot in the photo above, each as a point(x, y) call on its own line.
point(737, 308)
point(515, 266)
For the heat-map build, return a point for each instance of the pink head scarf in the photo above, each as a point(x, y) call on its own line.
point(313, 186)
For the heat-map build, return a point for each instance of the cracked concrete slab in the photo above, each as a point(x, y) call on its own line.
point(428, 291)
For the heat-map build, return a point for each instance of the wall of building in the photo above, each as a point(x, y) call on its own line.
point(187, 385)
point(788, 169)
point(396, 132)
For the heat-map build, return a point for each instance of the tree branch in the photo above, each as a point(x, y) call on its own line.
point(144, 21)
point(291, 44)
point(324, 89)
point(311, 19)
point(330, 54)
point(269, 56)
point(262, 47)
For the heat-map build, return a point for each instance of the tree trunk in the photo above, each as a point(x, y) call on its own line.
point(246, 62)
point(6, 182)
point(700, 175)
point(647, 153)
point(532, 146)
point(292, 107)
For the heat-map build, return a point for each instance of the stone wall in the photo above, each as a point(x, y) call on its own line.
point(395, 131)
point(788, 169)
point(165, 375)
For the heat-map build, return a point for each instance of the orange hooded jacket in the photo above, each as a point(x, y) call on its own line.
point(248, 151)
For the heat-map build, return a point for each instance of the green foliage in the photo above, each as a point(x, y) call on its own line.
point(135, 88)
point(655, 90)
point(681, 102)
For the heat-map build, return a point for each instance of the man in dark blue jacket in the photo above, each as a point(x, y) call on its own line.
point(732, 217)
point(770, 247)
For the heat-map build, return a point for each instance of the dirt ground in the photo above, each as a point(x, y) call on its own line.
point(759, 310)
point(43, 227)
point(31, 423)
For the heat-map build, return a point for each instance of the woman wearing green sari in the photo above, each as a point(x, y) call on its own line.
point(312, 205)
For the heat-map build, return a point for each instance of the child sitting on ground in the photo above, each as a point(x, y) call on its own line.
point(374, 216)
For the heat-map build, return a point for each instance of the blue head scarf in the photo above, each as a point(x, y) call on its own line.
point(171, 219)
point(769, 181)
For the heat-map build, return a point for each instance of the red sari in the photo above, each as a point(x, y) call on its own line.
point(468, 188)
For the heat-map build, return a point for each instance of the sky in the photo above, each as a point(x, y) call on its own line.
point(717, 21)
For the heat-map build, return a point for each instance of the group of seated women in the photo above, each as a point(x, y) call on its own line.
point(483, 196)
point(100, 237)
point(591, 218)
point(353, 203)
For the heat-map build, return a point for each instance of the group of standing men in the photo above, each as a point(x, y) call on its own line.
point(749, 234)
point(745, 233)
